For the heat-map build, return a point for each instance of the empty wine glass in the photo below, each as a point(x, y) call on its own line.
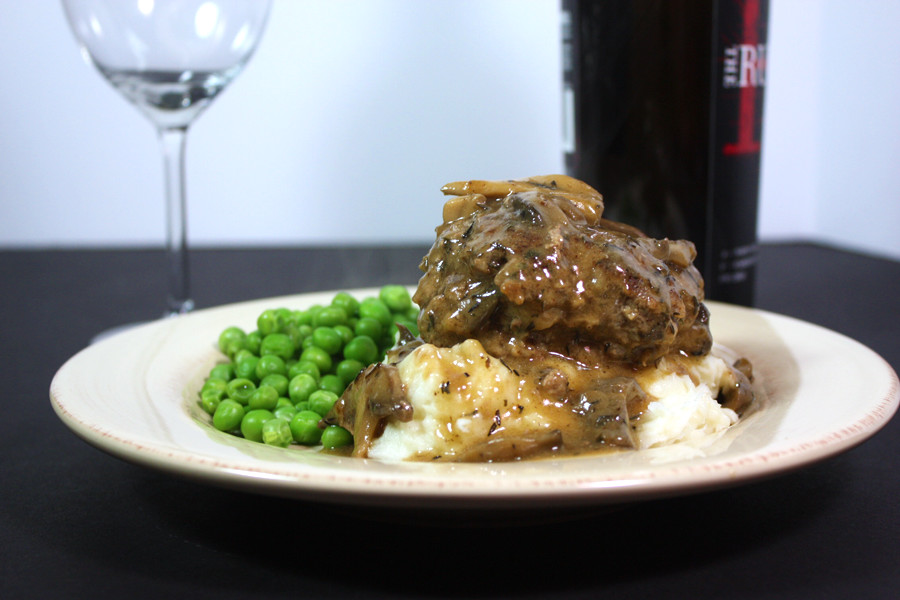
point(170, 58)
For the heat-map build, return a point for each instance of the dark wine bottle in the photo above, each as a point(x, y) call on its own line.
point(663, 108)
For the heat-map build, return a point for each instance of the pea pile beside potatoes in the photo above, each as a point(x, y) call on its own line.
point(280, 379)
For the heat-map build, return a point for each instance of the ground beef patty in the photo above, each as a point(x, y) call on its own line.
point(531, 264)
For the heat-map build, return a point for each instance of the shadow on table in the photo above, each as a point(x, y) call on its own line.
point(716, 536)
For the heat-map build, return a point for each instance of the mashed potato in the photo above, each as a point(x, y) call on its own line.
point(462, 396)
point(684, 408)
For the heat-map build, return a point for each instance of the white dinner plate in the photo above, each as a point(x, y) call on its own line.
point(134, 395)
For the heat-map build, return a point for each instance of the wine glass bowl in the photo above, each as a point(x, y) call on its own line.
point(171, 59)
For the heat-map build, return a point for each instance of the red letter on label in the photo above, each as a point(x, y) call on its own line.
point(750, 77)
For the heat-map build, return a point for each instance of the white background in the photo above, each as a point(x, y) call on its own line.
point(353, 113)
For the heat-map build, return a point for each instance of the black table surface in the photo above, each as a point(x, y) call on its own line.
point(76, 522)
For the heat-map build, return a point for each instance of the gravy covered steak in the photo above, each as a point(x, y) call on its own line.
point(546, 330)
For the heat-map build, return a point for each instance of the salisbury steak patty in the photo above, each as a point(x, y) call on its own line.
point(532, 264)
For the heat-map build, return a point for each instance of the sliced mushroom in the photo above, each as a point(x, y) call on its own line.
point(375, 396)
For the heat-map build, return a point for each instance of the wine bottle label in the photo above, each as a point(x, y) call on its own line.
point(740, 69)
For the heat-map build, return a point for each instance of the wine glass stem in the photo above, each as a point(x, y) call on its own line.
point(179, 300)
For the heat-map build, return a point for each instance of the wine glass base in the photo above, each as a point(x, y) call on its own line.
point(108, 333)
point(178, 307)
point(175, 309)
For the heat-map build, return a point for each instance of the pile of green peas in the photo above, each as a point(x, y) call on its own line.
point(283, 377)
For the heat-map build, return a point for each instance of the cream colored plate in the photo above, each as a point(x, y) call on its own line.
point(133, 396)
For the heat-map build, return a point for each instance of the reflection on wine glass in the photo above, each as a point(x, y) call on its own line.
point(170, 58)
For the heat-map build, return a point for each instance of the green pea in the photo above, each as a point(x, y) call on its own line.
point(285, 412)
point(396, 298)
point(209, 400)
point(375, 309)
point(330, 316)
point(317, 356)
point(277, 381)
point(277, 432)
point(252, 342)
point(252, 423)
point(240, 390)
point(361, 348)
point(215, 384)
point(263, 397)
point(327, 339)
point(245, 367)
point(321, 401)
point(224, 371)
point(346, 333)
point(278, 344)
point(270, 364)
point(301, 387)
point(369, 327)
point(284, 403)
point(240, 355)
point(304, 366)
point(312, 311)
point(230, 337)
point(297, 333)
point(335, 436)
point(347, 302)
point(269, 321)
point(233, 348)
point(332, 383)
point(305, 427)
point(302, 317)
point(348, 369)
point(228, 415)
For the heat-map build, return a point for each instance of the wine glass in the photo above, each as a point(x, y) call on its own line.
point(170, 58)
